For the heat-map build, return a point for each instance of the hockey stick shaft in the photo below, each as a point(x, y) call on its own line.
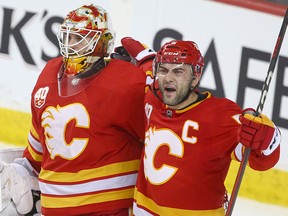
point(259, 110)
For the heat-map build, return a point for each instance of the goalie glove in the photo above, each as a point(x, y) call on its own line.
point(20, 194)
point(133, 51)
point(258, 132)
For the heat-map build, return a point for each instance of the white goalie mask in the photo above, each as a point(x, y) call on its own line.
point(85, 38)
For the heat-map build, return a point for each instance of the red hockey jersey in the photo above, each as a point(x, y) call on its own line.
point(87, 146)
point(186, 157)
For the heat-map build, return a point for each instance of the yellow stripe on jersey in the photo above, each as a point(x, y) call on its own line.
point(37, 157)
point(149, 73)
point(64, 202)
point(111, 169)
point(33, 132)
point(146, 202)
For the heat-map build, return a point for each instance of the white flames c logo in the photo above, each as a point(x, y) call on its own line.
point(54, 122)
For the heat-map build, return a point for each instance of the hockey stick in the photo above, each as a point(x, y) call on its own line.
point(259, 109)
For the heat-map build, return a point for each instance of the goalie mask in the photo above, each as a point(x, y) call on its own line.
point(85, 38)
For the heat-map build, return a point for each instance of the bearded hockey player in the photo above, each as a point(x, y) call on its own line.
point(191, 136)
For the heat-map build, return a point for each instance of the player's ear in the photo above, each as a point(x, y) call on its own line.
point(195, 80)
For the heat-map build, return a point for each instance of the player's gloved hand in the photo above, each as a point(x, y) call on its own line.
point(258, 132)
point(137, 52)
point(121, 53)
point(20, 194)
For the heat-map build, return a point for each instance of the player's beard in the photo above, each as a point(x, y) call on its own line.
point(181, 94)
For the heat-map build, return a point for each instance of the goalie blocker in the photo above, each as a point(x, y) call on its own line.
point(20, 194)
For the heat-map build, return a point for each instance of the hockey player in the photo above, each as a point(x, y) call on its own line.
point(87, 127)
point(192, 136)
